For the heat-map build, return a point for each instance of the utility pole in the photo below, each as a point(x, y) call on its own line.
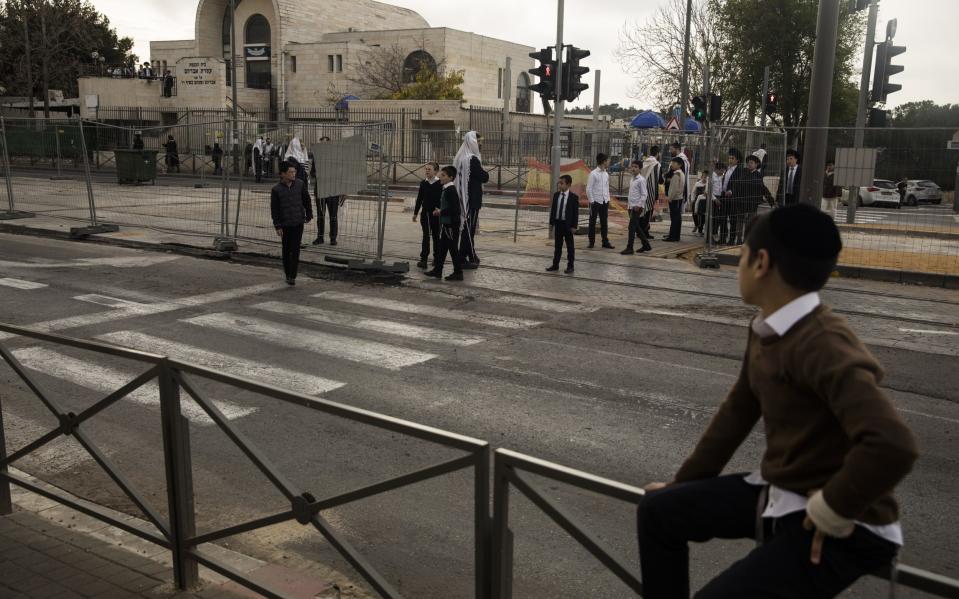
point(762, 117)
point(820, 97)
point(684, 94)
point(596, 101)
point(558, 113)
point(506, 83)
point(853, 198)
point(26, 37)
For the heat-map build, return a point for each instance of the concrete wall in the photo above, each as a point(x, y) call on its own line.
point(171, 52)
point(481, 58)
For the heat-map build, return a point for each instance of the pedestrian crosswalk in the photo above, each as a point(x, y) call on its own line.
point(106, 380)
point(21, 284)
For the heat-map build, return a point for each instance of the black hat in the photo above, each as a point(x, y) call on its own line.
point(736, 154)
point(753, 158)
point(806, 231)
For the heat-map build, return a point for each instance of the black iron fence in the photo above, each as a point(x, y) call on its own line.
point(493, 539)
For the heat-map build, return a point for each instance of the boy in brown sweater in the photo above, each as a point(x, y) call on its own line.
point(835, 445)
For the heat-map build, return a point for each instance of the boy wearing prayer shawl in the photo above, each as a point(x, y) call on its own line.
point(469, 186)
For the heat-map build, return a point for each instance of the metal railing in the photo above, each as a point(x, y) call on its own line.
point(178, 532)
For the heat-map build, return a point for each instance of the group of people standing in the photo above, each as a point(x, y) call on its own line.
point(448, 204)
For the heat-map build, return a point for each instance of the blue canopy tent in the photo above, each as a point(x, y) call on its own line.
point(344, 103)
point(692, 125)
point(647, 120)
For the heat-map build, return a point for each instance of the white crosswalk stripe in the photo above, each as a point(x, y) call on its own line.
point(505, 322)
point(21, 284)
point(372, 324)
point(111, 302)
point(257, 371)
point(106, 380)
point(338, 346)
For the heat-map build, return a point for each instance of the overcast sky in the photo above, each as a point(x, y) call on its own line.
point(929, 34)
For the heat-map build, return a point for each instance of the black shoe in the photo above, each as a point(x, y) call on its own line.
point(608, 246)
point(318, 241)
point(552, 268)
point(475, 260)
point(434, 273)
point(627, 251)
point(290, 281)
point(671, 240)
point(456, 276)
point(667, 238)
point(645, 248)
point(569, 270)
point(470, 266)
point(421, 264)
point(332, 242)
point(590, 246)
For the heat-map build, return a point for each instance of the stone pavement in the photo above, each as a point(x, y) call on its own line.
point(49, 551)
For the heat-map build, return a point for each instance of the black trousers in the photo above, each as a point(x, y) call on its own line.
point(292, 236)
point(675, 219)
point(449, 245)
point(721, 220)
point(737, 221)
point(431, 233)
point(725, 508)
point(329, 207)
point(602, 211)
point(258, 169)
point(563, 234)
point(636, 230)
point(644, 220)
point(468, 236)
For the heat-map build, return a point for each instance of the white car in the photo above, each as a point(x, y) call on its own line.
point(922, 190)
point(882, 191)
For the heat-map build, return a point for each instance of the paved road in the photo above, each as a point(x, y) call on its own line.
point(614, 371)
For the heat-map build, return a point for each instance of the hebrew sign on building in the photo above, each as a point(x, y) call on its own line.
point(197, 72)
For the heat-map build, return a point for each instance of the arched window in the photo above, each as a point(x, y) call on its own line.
point(415, 61)
point(256, 40)
point(522, 93)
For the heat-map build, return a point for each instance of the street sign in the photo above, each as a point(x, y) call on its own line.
point(673, 124)
point(855, 167)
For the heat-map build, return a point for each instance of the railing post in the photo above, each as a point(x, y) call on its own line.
point(6, 502)
point(502, 550)
point(482, 524)
point(179, 479)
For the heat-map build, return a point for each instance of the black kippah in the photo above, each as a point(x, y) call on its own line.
point(807, 231)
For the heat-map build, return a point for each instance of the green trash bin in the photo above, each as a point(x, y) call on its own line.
point(136, 166)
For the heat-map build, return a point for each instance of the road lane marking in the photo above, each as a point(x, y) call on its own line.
point(338, 346)
point(110, 302)
point(258, 371)
point(372, 324)
point(21, 284)
point(928, 332)
point(505, 322)
point(106, 380)
point(121, 262)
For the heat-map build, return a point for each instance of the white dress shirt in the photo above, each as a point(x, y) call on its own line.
point(782, 502)
point(597, 188)
point(561, 206)
point(716, 184)
point(637, 193)
point(791, 180)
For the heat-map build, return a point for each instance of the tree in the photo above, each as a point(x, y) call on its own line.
point(54, 38)
point(926, 114)
point(613, 110)
point(431, 86)
point(382, 72)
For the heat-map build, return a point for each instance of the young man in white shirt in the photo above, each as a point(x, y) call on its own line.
point(597, 191)
point(636, 204)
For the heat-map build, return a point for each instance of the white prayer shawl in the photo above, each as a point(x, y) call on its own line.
point(467, 151)
point(259, 145)
point(295, 149)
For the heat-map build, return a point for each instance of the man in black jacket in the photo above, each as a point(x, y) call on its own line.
point(428, 200)
point(468, 159)
point(735, 192)
point(449, 213)
point(290, 208)
point(564, 218)
point(788, 192)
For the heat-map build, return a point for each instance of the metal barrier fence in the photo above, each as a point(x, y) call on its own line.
point(177, 529)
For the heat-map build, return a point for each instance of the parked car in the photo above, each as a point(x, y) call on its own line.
point(922, 190)
point(882, 191)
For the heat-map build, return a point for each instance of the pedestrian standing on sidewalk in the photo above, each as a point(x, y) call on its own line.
point(217, 155)
point(636, 205)
point(675, 194)
point(716, 190)
point(268, 157)
point(651, 172)
point(428, 200)
point(291, 208)
point(449, 212)
point(469, 185)
point(699, 203)
point(172, 155)
point(734, 197)
point(836, 447)
point(830, 191)
point(258, 149)
point(597, 192)
point(564, 218)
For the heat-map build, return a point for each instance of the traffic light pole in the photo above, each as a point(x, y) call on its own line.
point(762, 118)
point(558, 112)
point(853, 197)
point(684, 92)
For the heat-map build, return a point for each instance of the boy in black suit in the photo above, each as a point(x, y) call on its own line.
point(449, 213)
point(564, 218)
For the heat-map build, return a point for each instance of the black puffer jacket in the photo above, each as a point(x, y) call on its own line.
point(290, 204)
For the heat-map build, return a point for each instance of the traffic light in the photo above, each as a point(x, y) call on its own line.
point(881, 87)
point(699, 109)
point(771, 99)
point(573, 73)
point(715, 108)
point(546, 87)
point(877, 117)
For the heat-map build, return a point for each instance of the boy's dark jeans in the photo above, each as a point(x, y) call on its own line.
point(292, 236)
point(725, 508)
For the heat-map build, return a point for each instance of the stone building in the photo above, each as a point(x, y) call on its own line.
point(298, 54)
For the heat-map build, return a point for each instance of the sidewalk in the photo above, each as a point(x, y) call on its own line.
point(49, 551)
